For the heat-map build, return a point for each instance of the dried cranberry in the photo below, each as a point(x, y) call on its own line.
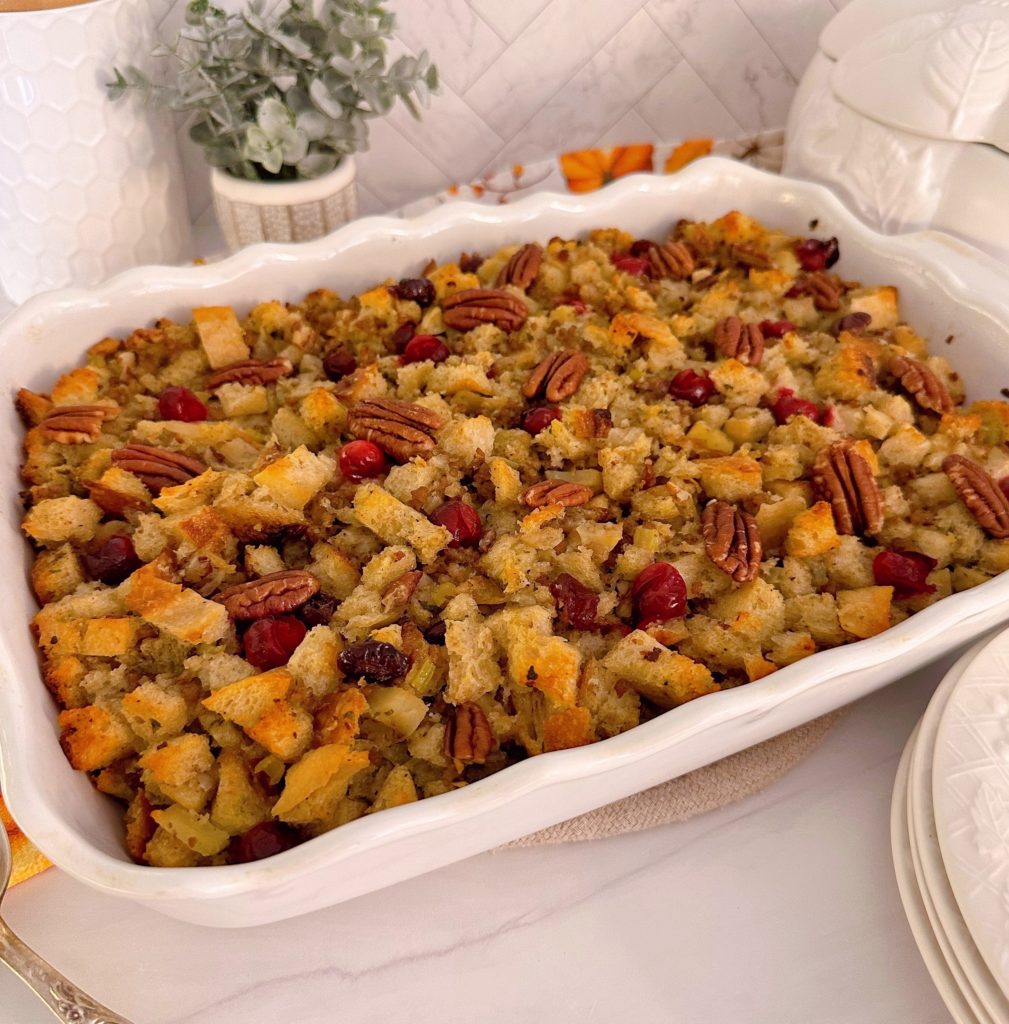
point(461, 520)
point(815, 254)
point(905, 571)
point(318, 610)
point(633, 265)
point(338, 363)
point(424, 346)
point(113, 560)
point(642, 247)
point(401, 336)
point(776, 328)
point(658, 593)
point(178, 403)
point(416, 289)
point(360, 460)
point(436, 634)
point(534, 420)
point(263, 840)
point(786, 405)
point(270, 642)
point(377, 661)
point(578, 604)
point(690, 386)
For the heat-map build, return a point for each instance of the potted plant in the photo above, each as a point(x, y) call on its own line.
point(280, 102)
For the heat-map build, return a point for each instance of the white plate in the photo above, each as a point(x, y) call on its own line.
point(911, 897)
point(946, 287)
point(970, 785)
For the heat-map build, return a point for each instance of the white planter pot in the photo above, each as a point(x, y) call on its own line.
point(283, 211)
point(88, 187)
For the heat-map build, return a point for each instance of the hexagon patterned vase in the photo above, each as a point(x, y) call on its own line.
point(88, 187)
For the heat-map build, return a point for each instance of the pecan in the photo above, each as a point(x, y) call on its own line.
point(251, 371)
point(673, 260)
point(276, 594)
point(845, 478)
point(853, 323)
point(521, 270)
point(471, 307)
point(979, 492)
point(750, 256)
point(922, 384)
point(736, 340)
point(157, 467)
point(732, 540)
point(76, 424)
point(401, 429)
point(557, 377)
point(468, 736)
point(397, 595)
point(826, 291)
point(556, 492)
point(592, 422)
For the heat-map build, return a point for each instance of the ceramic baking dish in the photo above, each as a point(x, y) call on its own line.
point(947, 289)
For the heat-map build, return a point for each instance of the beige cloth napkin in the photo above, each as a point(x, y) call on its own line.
point(724, 782)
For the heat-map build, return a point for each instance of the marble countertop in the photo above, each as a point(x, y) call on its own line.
point(782, 908)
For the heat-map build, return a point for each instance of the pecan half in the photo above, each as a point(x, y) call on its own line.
point(521, 270)
point(826, 292)
point(471, 307)
point(468, 736)
point(157, 467)
point(673, 260)
point(853, 323)
point(556, 492)
point(922, 384)
point(736, 340)
point(732, 540)
point(251, 371)
point(401, 429)
point(76, 424)
point(557, 377)
point(845, 478)
point(276, 594)
point(397, 595)
point(750, 256)
point(979, 492)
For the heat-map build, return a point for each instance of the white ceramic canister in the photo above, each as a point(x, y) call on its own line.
point(88, 186)
point(283, 211)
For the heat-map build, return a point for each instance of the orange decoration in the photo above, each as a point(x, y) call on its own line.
point(589, 169)
point(687, 151)
point(517, 171)
point(27, 860)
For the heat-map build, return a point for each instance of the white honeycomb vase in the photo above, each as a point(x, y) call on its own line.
point(88, 186)
point(283, 211)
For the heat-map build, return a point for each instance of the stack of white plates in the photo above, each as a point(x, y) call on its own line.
point(949, 829)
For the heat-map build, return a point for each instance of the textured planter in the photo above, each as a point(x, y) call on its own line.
point(283, 211)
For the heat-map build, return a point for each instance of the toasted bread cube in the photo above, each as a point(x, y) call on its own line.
point(164, 850)
point(183, 769)
point(115, 491)
point(323, 411)
point(63, 676)
point(140, 826)
point(247, 700)
point(295, 479)
point(566, 728)
point(731, 478)
point(314, 662)
point(396, 523)
point(398, 789)
point(338, 717)
point(192, 832)
point(238, 804)
point(615, 707)
point(109, 637)
point(56, 573)
point(775, 518)
point(58, 520)
point(194, 494)
point(847, 374)
point(866, 611)
point(93, 737)
point(812, 532)
point(786, 648)
point(174, 608)
point(740, 385)
point(221, 335)
point(337, 573)
point(318, 781)
point(397, 708)
point(463, 441)
point(242, 399)
point(155, 713)
point(880, 303)
point(660, 675)
point(285, 731)
point(472, 660)
point(816, 613)
point(549, 663)
point(78, 387)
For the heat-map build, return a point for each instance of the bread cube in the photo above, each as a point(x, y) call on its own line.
point(115, 491)
point(173, 608)
point(58, 520)
point(338, 717)
point(183, 769)
point(731, 478)
point(238, 803)
point(93, 737)
point(155, 713)
point(775, 519)
point(880, 303)
point(56, 573)
point(566, 728)
point(316, 783)
point(472, 660)
point(398, 789)
point(396, 523)
point(221, 335)
point(463, 440)
point(285, 731)
point(294, 479)
point(242, 399)
point(337, 573)
point(108, 637)
point(660, 675)
point(247, 700)
point(551, 664)
point(323, 411)
point(866, 611)
point(812, 532)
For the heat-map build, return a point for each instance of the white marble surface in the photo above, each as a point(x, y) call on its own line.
point(781, 909)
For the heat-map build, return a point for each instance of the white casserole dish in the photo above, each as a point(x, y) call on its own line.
point(946, 287)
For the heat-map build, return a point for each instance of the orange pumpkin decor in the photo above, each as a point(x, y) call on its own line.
point(27, 860)
point(687, 151)
point(589, 169)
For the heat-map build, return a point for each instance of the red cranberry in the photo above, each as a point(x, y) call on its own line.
point(360, 460)
point(786, 405)
point(424, 346)
point(905, 571)
point(178, 403)
point(690, 386)
point(270, 642)
point(263, 840)
point(776, 328)
point(377, 661)
point(633, 265)
point(815, 254)
point(416, 289)
point(113, 561)
point(578, 605)
point(401, 336)
point(338, 363)
point(658, 593)
point(534, 420)
point(461, 520)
